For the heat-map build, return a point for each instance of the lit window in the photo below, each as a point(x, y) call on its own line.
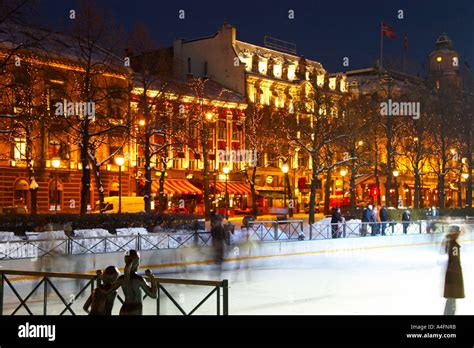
point(19, 152)
point(343, 85)
point(332, 83)
point(320, 80)
point(247, 61)
point(291, 72)
point(262, 66)
point(277, 70)
point(455, 61)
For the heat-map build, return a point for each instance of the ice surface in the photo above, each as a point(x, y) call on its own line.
point(398, 280)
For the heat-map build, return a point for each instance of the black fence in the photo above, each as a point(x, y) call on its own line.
point(55, 299)
point(39, 246)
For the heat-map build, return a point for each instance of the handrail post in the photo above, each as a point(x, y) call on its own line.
point(225, 291)
point(218, 300)
point(45, 296)
point(275, 230)
point(158, 300)
point(1, 293)
point(310, 231)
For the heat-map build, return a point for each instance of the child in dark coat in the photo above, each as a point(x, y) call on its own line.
point(454, 284)
point(102, 298)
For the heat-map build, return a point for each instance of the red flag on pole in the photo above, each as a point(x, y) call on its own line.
point(388, 32)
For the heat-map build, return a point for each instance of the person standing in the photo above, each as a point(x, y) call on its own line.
point(375, 224)
point(454, 284)
point(366, 219)
point(406, 220)
point(218, 238)
point(383, 219)
point(335, 220)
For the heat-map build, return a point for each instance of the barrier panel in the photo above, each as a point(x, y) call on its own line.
point(51, 285)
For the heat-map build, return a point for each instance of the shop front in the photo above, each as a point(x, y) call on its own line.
point(180, 196)
point(239, 197)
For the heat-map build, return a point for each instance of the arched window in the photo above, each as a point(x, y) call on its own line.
point(21, 188)
point(55, 195)
point(114, 189)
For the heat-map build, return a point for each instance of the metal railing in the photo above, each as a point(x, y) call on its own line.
point(260, 231)
point(276, 229)
point(34, 248)
point(48, 283)
point(361, 229)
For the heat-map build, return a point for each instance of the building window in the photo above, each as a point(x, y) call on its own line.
point(21, 192)
point(262, 66)
point(235, 133)
point(291, 72)
point(114, 189)
point(222, 130)
point(55, 195)
point(19, 151)
point(277, 70)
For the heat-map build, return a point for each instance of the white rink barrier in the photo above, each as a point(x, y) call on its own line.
point(264, 254)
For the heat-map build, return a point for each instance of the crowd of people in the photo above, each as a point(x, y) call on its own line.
point(372, 217)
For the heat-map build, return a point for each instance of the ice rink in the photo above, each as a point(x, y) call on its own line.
point(396, 280)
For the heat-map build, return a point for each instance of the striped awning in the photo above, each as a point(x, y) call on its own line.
point(233, 188)
point(175, 186)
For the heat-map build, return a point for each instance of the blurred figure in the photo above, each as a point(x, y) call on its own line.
point(454, 284)
point(375, 224)
point(102, 299)
point(367, 217)
point(218, 237)
point(335, 220)
point(406, 220)
point(383, 214)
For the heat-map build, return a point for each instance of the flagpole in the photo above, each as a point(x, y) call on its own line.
point(381, 44)
point(405, 44)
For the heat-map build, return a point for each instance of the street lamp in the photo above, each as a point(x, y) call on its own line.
point(226, 171)
point(395, 175)
point(119, 160)
point(56, 163)
point(285, 170)
point(343, 173)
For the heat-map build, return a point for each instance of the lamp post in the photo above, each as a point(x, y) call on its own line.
point(395, 176)
point(465, 177)
point(141, 123)
point(285, 170)
point(119, 160)
point(56, 163)
point(343, 173)
point(226, 171)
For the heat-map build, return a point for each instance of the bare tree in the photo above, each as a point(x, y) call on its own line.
point(317, 126)
point(101, 78)
point(357, 119)
point(23, 96)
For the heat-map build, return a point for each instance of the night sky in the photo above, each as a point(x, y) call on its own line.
point(325, 31)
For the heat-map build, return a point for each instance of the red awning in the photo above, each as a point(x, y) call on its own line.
point(233, 188)
point(175, 186)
